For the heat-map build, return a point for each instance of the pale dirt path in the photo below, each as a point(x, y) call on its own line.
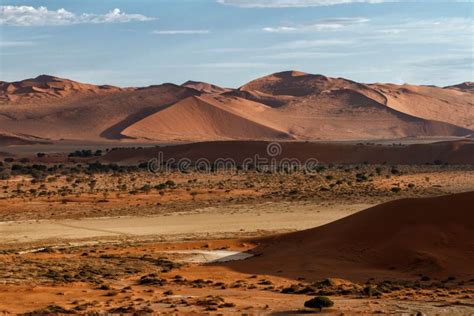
point(206, 222)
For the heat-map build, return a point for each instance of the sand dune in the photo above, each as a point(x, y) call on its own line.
point(46, 88)
point(198, 118)
point(319, 107)
point(301, 105)
point(447, 105)
point(403, 238)
point(8, 139)
point(204, 87)
point(86, 116)
point(456, 152)
point(465, 86)
point(286, 105)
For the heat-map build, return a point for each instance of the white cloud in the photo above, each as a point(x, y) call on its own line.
point(279, 29)
point(308, 55)
point(323, 25)
point(454, 31)
point(180, 32)
point(41, 16)
point(311, 44)
point(293, 3)
point(16, 43)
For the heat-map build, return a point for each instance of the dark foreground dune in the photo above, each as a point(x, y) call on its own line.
point(399, 239)
point(455, 152)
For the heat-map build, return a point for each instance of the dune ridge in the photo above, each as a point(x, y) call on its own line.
point(286, 105)
point(45, 88)
point(198, 118)
point(204, 87)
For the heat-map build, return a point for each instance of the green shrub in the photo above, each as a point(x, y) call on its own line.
point(395, 171)
point(170, 183)
point(395, 189)
point(319, 302)
point(160, 186)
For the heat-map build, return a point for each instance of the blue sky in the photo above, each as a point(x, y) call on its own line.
point(229, 42)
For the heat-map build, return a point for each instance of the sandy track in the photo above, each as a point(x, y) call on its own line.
point(207, 222)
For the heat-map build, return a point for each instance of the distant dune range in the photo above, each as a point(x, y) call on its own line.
point(283, 106)
point(400, 239)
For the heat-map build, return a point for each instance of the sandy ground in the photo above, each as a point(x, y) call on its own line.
point(132, 251)
point(110, 278)
point(243, 220)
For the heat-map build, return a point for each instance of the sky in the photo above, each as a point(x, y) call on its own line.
point(230, 42)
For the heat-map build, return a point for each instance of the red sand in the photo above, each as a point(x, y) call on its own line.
point(286, 105)
point(399, 239)
point(455, 152)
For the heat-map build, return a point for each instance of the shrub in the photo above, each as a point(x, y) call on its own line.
point(371, 291)
point(361, 177)
point(160, 186)
point(170, 183)
point(395, 171)
point(319, 302)
point(146, 188)
point(395, 189)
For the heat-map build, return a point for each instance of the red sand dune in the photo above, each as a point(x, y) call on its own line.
point(45, 88)
point(86, 116)
point(447, 105)
point(456, 152)
point(465, 87)
point(319, 107)
point(203, 118)
point(8, 139)
point(286, 105)
point(204, 87)
point(403, 238)
point(333, 100)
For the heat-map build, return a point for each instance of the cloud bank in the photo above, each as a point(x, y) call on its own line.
point(41, 16)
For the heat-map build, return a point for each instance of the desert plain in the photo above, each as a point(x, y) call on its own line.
point(381, 222)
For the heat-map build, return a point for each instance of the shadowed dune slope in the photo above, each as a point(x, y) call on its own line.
point(465, 86)
point(198, 118)
point(402, 238)
point(89, 117)
point(204, 87)
point(456, 152)
point(454, 106)
point(8, 139)
point(340, 108)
